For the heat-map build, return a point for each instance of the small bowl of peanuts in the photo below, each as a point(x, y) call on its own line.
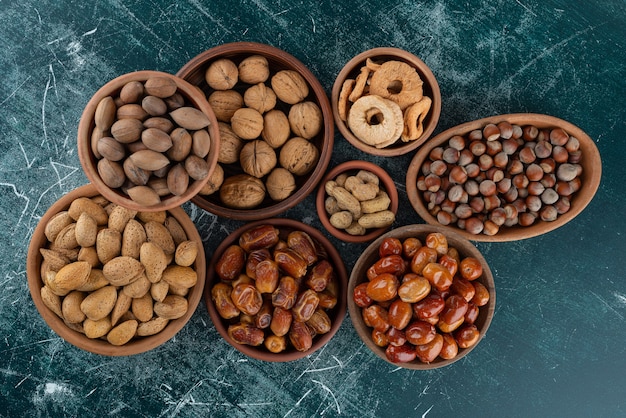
point(386, 101)
point(357, 201)
point(276, 289)
point(421, 297)
point(505, 177)
point(148, 141)
point(111, 280)
point(276, 129)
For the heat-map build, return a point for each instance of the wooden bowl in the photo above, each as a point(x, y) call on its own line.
point(352, 167)
point(336, 314)
point(194, 72)
point(420, 231)
point(590, 178)
point(430, 87)
point(102, 346)
point(89, 161)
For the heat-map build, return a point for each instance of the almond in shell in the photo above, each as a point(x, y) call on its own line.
point(56, 224)
point(159, 290)
point(108, 244)
point(132, 239)
point(122, 305)
point(158, 234)
point(137, 288)
point(123, 270)
point(86, 230)
point(180, 276)
point(172, 307)
point(70, 277)
point(142, 308)
point(175, 229)
point(84, 204)
point(186, 253)
point(71, 307)
point(51, 300)
point(66, 238)
point(151, 327)
point(55, 259)
point(97, 329)
point(122, 333)
point(119, 217)
point(154, 260)
point(99, 304)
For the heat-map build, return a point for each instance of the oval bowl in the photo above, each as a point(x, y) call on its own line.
point(89, 161)
point(431, 89)
point(100, 346)
point(370, 255)
point(352, 167)
point(336, 314)
point(590, 178)
point(194, 72)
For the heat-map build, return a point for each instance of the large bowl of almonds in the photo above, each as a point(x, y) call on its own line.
point(505, 177)
point(386, 101)
point(148, 140)
point(276, 129)
point(111, 280)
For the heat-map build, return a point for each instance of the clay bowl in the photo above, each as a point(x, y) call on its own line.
point(351, 168)
point(590, 178)
point(102, 346)
point(420, 231)
point(88, 134)
point(325, 250)
point(430, 88)
point(194, 72)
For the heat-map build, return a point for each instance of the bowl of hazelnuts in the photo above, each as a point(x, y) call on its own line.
point(276, 129)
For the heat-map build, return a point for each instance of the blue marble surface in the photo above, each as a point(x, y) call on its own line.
point(556, 346)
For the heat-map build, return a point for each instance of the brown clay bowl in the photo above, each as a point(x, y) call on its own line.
point(430, 86)
point(102, 346)
point(590, 177)
point(420, 231)
point(194, 72)
point(351, 168)
point(336, 314)
point(89, 161)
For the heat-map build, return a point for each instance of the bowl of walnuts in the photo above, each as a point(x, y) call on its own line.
point(386, 101)
point(148, 140)
point(111, 280)
point(276, 129)
point(276, 289)
point(421, 297)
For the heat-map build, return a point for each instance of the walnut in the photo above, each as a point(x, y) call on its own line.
point(305, 119)
point(225, 103)
point(254, 69)
point(247, 123)
point(222, 74)
point(280, 184)
point(215, 181)
point(276, 129)
point(299, 156)
point(257, 158)
point(260, 97)
point(230, 145)
point(290, 86)
point(242, 191)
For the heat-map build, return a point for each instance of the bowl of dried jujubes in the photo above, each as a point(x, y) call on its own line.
point(276, 289)
point(276, 129)
point(505, 177)
point(421, 297)
point(111, 280)
point(148, 140)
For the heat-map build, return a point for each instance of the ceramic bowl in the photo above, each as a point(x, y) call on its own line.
point(102, 346)
point(89, 134)
point(590, 178)
point(194, 72)
point(420, 231)
point(325, 250)
point(430, 89)
point(351, 168)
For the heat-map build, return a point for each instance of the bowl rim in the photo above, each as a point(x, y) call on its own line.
point(286, 60)
point(86, 126)
point(98, 346)
point(339, 310)
point(354, 165)
point(454, 239)
point(591, 177)
point(425, 73)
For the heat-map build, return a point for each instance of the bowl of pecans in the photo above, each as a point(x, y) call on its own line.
point(386, 101)
point(276, 129)
point(148, 140)
point(505, 177)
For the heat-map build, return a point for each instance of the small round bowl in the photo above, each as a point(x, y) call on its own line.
point(420, 231)
point(590, 178)
point(194, 72)
point(102, 346)
point(352, 167)
point(336, 314)
point(89, 161)
point(430, 87)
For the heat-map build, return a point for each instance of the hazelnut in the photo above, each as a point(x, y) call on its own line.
point(280, 184)
point(257, 158)
point(305, 119)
